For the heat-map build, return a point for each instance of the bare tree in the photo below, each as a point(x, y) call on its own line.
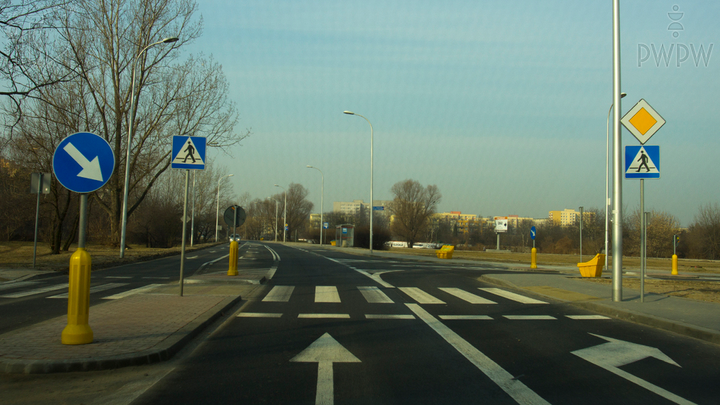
point(412, 207)
point(105, 40)
point(704, 234)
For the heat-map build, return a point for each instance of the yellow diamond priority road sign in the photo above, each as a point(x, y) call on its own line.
point(642, 121)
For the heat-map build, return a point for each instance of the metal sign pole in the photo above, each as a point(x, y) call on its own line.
point(184, 226)
point(37, 216)
point(642, 240)
point(617, 160)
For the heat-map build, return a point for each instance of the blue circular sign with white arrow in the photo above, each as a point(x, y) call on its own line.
point(83, 162)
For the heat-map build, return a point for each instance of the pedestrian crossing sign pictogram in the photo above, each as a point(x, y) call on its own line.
point(188, 152)
point(642, 162)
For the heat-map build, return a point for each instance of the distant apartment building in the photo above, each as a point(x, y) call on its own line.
point(568, 217)
point(460, 221)
point(353, 207)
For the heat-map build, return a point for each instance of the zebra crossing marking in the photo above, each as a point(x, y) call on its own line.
point(389, 316)
point(326, 294)
point(420, 296)
point(132, 292)
point(41, 290)
point(7, 286)
point(259, 315)
point(587, 317)
point(323, 316)
point(96, 289)
point(465, 318)
point(374, 295)
point(512, 296)
point(466, 296)
point(279, 293)
point(530, 317)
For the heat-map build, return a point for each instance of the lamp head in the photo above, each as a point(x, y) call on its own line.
point(348, 112)
point(169, 40)
point(309, 167)
point(622, 95)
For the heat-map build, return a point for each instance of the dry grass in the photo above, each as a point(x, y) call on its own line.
point(684, 265)
point(18, 255)
point(695, 290)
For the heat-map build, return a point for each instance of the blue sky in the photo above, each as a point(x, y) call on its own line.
point(501, 104)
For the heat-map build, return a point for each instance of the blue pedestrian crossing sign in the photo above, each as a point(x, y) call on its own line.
point(642, 162)
point(83, 162)
point(188, 152)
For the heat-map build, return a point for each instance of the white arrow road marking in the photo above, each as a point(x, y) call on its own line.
point(513, 387)
point(617, 353)
point(325, 351)
point(90, 169)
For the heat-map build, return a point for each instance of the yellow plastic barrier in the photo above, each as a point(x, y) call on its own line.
point(593, 267)
point(232, 268)
point(445, 252)
point(78, 331)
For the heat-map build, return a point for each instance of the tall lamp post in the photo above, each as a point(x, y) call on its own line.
point(123, 231)
point(322, 197)
point(371, 176)
point(284, 212)
point(607, 181)
point(217, 209)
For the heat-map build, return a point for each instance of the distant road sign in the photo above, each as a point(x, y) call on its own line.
point(642, 121)
point(83, 162)
point(532, 233)
point(229, 215)
point(378, 208)
point(642, 162)
point(326, 225)
point(188, 152)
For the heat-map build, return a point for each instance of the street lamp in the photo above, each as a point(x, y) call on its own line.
point(371, 176)
point(129, 138)
point(217, 210)
point(284, 212)
point(322, 196)
point(607, 180)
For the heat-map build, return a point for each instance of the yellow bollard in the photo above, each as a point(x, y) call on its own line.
point(77, 331)
point(674, 265)
point(232, 270)
point(533, 258)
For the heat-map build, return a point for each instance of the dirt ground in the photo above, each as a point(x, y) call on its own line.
point(708, 291)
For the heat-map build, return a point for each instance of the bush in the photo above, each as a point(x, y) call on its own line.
point(380, 236)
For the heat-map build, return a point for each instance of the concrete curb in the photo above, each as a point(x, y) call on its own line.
point(678, 327)
point(163, 351)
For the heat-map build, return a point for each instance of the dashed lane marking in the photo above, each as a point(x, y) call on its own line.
point(530, 317)
point(134, 291)
point(465, 318)
point(259, 315)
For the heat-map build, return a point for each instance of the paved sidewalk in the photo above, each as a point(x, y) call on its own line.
point(138, 329)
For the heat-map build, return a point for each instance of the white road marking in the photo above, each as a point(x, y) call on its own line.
point(259, 315)
point(420, 296)
point(513, 387)
point(7, 286)
point(617, 353)
point(326, 294)
point(325, 351)
point(123, 277)
point(512, 296)
point(389, 316)
point(323, 316)
point(97, 288)
point(374, 295)
point(465, 318)
point(41, 290)
point(586, 317)
point(466, 296)
point(132, 292)
point(191, 257)
point(156, 278)
point(279, 293)
point(530, 317)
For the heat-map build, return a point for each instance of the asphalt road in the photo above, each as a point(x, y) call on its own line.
point(337, 328)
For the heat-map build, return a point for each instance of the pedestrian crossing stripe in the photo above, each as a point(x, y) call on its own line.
point(642, 162)
point(188, 152)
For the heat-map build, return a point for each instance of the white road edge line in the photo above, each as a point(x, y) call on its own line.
point(389, 316)
point(513, 387)
point(259, 315)
point(323, 316)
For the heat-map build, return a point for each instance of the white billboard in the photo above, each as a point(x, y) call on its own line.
point(501, 225)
